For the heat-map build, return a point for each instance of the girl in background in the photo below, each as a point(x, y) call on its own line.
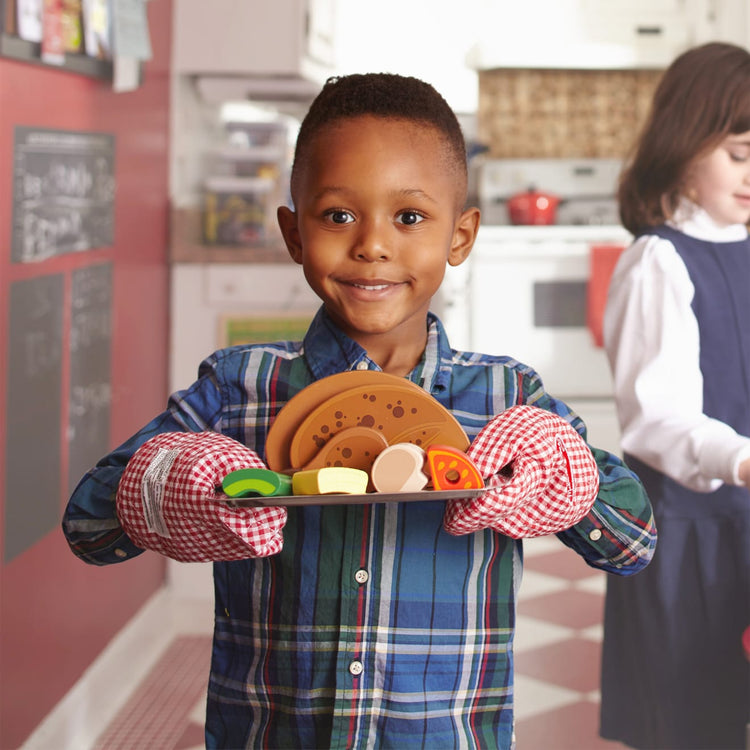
point(677, 334)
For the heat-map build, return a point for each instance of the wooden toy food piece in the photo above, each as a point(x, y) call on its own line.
point(297, 409)
point(396, 410)
point(355, 447)
point(452, 469)
point(331, 479)
point(256, 482)
point(399, 469)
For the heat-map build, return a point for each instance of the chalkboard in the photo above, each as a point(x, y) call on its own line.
point(63, 192)
point(32, 414)
point(90, 389)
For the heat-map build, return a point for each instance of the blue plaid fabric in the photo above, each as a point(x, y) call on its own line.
point(373, 628)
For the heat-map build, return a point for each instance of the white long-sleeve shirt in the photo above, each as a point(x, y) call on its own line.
point(651, 338)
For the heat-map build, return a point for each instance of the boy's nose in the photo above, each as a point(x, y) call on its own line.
point(372, 243)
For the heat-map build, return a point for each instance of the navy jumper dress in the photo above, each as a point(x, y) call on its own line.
point(674, 675)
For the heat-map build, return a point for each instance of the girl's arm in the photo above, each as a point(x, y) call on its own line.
point(651, 337)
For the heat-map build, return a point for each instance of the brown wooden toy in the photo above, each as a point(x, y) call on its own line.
point(355, 447)
point(395, 407)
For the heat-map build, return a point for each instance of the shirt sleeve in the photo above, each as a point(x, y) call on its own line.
point(651, 333)
point(90, 522)
point(618, 534)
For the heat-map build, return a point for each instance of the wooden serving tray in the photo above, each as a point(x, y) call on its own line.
point(368, 499)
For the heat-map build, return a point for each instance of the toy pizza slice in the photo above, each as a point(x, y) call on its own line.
point(452, 470)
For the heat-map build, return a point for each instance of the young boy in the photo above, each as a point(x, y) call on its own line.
point(384, 625)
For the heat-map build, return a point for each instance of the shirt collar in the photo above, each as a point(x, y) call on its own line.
point(696, 222)
point(328, 350)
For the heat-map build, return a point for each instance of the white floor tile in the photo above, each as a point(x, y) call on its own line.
point(593, 633)
point(541, 545)
point(532, 633)
point(533, 697)
point(594, 584)
point(198, 714)
point(537, 584)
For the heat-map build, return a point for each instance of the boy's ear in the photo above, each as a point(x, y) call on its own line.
point(464, 235)
point(288, 225)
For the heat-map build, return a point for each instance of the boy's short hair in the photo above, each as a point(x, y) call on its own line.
point(385, 95)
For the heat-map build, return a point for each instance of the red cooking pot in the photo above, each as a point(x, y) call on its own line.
point(533, 207)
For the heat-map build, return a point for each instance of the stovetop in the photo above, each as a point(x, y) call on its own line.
point(586, 188)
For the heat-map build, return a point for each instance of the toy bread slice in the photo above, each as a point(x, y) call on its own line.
point(330, 480)
point(256, 482)
point(399, 469)
point(452, 470)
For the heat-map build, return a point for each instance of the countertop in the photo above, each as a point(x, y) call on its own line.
point(555, 232)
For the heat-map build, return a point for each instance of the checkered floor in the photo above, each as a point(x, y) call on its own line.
point(558, 641)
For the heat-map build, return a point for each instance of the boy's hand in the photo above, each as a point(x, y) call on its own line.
point(166, 500)
point(544, 476)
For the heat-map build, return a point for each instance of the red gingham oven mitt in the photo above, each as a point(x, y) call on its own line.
point(166, 500)
point(543, 476)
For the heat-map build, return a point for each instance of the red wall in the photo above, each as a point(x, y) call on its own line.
point(57, 613)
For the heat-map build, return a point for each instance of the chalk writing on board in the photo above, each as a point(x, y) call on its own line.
point(63, 192)
point(90, 393)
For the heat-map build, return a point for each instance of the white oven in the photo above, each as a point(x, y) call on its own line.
point(524, 292)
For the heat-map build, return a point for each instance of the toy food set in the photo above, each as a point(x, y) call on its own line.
point(360, 437)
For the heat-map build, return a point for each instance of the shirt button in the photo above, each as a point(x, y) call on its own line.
point(595, 535)
point(356, 668)
point(362, 365)
point(361, 576)
point(120, 553)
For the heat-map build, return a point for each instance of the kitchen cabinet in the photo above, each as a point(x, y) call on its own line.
point(273, 56)
point(287, 40)
point(604, 34)
point(207, 298)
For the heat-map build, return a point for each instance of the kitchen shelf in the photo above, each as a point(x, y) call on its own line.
point(19, 49)
point(186, 245)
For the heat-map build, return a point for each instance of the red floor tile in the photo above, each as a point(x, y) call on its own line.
point(157, 713)
point(571, 608)
point(193, 736)
point(572, 727)
point(572, 664)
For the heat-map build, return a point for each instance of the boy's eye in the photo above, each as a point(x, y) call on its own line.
point(339, 216)
point(409, 217)
point(738, 156)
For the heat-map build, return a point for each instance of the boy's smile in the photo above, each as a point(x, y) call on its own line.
point(378, 216)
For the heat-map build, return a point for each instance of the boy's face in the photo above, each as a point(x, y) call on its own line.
point(378, 215)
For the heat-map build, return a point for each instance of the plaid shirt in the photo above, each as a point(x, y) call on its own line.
point(373, 627)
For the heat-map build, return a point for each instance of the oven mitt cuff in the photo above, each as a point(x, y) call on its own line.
point(167, 500)
point(542, 475)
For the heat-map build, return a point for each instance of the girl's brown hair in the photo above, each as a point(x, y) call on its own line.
point(702, 97)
